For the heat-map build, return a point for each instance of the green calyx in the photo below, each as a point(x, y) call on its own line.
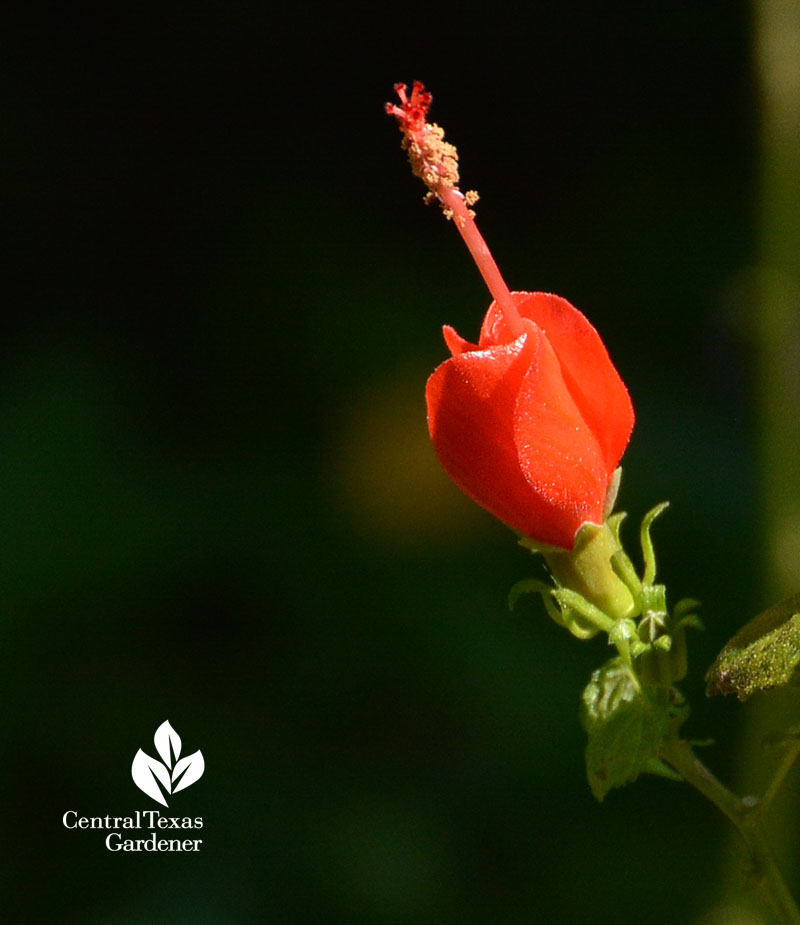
point(631, 706)
point(597, 589)
point(587, 570)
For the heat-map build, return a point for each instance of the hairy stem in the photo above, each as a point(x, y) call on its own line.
point(747, 815)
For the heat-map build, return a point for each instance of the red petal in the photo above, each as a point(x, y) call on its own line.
point(455, 342)
point(509, 434)
point(558, 453)
point(588, 372)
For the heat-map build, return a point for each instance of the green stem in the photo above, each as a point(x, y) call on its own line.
point(792, 750)
point(747, 815)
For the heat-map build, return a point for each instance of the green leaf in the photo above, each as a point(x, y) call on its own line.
point(764, 653)
point(625, 725)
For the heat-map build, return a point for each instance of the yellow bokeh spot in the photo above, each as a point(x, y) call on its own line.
point(389, 478)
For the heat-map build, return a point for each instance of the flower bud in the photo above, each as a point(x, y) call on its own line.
point(532, 426)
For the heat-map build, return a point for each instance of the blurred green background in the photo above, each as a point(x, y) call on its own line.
point(219, 503)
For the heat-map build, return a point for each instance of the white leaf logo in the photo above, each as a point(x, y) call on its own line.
point(171, 773)
point(187, 771)
point(146, 771)
point(165, 739)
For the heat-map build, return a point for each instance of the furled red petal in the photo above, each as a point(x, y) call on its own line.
point(589, 374)
point(557, 452)
point(455, 342)
point(509, 434)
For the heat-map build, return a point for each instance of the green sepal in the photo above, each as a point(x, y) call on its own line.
point(765, 653)
point(580, 616)
point(567, 608)
point(534, 586)
point(648, 551)
point(625, 571)
point(625, 725)
point(527, 586)
point(611, 493)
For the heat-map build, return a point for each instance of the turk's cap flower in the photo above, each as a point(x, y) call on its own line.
point(532, 425)
point(532, 420)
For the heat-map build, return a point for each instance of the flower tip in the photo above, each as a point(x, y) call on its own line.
point(455, 342)
point(412, 113)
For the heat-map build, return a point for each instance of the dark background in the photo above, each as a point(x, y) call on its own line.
point(219, 504)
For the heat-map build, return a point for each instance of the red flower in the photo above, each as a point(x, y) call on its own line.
point(532, 426)
point(532, 421)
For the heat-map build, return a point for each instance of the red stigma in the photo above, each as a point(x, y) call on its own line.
point(412, 113)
